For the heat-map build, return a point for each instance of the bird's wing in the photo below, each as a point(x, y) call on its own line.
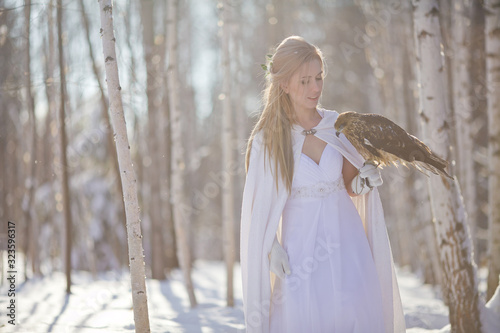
point(381, 133)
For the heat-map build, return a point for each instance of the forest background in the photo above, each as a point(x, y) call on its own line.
point(55, 127)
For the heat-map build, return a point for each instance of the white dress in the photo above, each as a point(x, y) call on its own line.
point(333, 286)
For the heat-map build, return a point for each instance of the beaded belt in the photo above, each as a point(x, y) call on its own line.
point(318, 190)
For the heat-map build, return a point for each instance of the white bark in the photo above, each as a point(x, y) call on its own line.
point(493, 80)
point(463, 109)
point(452, 231)
point(180, 208)
point(111, 149)
point(228, 219)
point(136, 258)
point(425, 235)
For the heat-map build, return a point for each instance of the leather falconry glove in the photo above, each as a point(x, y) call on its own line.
point(278, 260)
point(368, 177)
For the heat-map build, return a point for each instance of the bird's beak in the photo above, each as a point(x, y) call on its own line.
point(337, 133)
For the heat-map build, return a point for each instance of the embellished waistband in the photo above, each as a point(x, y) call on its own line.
point(318, 190)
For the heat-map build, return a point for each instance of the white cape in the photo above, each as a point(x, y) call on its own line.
point(262, 206)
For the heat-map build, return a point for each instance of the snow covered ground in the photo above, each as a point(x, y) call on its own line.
point(105, 305)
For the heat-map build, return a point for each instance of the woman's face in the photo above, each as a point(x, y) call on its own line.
point(305, 86)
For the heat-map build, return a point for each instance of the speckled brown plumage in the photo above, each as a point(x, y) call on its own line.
point(380, 140)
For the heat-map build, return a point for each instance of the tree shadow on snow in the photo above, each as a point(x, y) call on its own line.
point(184, 315)
point(56, 319)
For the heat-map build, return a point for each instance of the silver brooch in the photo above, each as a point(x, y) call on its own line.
point(307, 132)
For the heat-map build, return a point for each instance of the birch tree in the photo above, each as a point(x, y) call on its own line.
point(459, 281)
point(51, 136)
point(227, 152)
point(152, 60)
point(50, 94)
point(493, 90)
point(107, 124)
point(129, 182)
point(169, 246)
point(135, 88)
point(422, 229)
point(460, 84)
point(64, 144)
point(30, 219)
point(178, 163)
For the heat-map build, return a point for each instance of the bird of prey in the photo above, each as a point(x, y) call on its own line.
point(381, 141)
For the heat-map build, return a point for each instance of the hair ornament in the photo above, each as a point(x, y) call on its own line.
point(267, 67)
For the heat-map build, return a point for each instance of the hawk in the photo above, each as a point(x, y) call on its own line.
point(381, 141)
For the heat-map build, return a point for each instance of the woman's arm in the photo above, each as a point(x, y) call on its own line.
point(349, 171)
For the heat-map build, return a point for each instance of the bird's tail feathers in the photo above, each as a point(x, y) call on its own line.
point(421, 167)
point(441, 163)
point(432, 168)
point(428, 160)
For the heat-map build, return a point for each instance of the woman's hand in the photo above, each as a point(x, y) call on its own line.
point(369, 177)
point(372, 175)
point(360, 181)
point(278, 260)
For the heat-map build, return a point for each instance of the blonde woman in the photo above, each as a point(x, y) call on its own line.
point(315, 256)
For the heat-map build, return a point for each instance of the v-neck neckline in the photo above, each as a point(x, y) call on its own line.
point(320, 158)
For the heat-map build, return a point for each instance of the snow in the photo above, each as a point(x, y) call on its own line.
point(424, 311)
point(490, 314)
point(105, 304)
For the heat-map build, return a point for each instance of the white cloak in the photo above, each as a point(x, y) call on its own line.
point(262, 206)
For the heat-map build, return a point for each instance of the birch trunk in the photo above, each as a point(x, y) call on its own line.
point(462, 108)
point(31, 234)
point(50, 140)
point(50, 95)
point(169, 248)
point(64, 143)
point(493, 80)
point(107, 124)
point(154, 207)
point(138, 129)
point(455, 245)
point(422, 223)
point(227, 153)
point(445, 21)
point(129, 182)
point(180, 208)
point(422, 228)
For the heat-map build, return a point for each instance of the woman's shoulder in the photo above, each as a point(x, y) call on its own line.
point(329, 114)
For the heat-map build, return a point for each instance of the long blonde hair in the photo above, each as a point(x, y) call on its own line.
point(278, 115)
